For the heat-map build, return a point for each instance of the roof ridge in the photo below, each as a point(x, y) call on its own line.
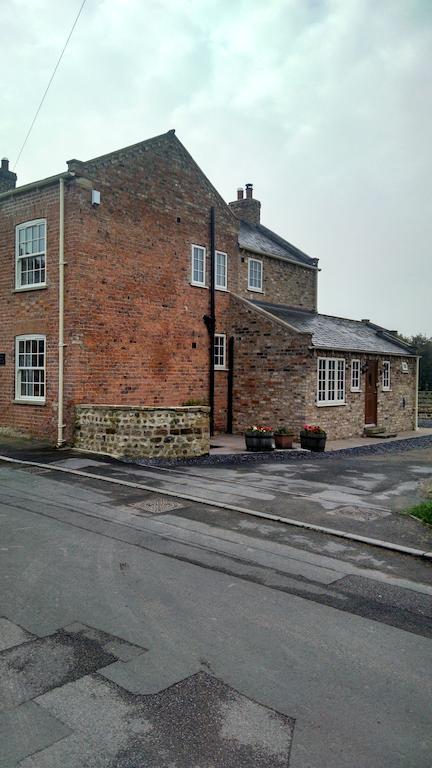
point(142, 143)
point(282, 241)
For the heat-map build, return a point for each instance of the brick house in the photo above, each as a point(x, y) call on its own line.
point(128, 280)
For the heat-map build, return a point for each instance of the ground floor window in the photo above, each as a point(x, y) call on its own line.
point(220, 351)
point(355, 375)
point(386, 375)
point(30, 359)
point(331, 381)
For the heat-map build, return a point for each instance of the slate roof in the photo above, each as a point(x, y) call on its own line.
point(259, 239)
point(339, 333)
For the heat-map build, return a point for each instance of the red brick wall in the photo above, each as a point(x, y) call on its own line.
point(133, 311)
point(29, 312)
point(134, 329)
point(269, 370)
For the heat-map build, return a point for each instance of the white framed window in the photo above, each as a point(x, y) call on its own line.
point(355, 375)
point(255, 275)
point(30, 362)
point(331, 381)
point(30, 254)
point(221, 271)
point(386, 376)
point(220, 351)
point(198, 265)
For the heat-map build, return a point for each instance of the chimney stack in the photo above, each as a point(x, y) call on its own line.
point(7, 177)
point(246, 208)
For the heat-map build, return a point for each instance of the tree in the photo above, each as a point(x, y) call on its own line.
point(423, 347)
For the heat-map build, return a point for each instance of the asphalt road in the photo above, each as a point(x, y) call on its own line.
point(141, 630)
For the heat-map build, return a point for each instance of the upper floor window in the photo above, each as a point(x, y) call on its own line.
point(198, 265)
point(30, 368)
point(331, 381)
point(355, 375)
point(386, 375)
point(220, 351)
point(221, 271)
point(255, 270)
point(30, 254)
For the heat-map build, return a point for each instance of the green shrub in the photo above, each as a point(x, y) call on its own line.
point(422, 512)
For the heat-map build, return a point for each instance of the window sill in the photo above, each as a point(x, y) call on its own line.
point(330, 405)
point(386, 390)
point(29, 402)
point(38, 287)
point(220, 368)
point(356, 391)
point(198, 285)
point(218, 288)
point(255, 290)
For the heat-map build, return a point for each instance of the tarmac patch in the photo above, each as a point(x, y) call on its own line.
point(199, 721)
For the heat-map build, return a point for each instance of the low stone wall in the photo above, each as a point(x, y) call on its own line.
point(425, 405)
point(143, 432)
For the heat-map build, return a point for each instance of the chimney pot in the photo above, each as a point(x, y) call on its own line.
point(7, 177)
point(240, 193)
point(249, 191)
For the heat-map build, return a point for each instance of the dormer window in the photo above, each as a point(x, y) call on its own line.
point(30, 255)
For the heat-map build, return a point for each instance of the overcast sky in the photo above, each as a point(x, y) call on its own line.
point(325, 105)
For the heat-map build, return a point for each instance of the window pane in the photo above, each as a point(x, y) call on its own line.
point(198, 265)
point(341, 380)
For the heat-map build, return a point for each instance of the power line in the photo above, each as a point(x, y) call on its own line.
point(49, 83)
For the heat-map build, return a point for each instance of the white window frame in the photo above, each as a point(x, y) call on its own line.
point(221, 286)
point(355, 364)
point(252, 287)
point(193, 281)
point(386, 380)
point(220, 366)
point(332, 367)
point(19, 259)
point(29, 398)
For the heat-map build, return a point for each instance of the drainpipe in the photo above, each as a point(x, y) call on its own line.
point(60, 425)
point(416, 426)
point(212, 324)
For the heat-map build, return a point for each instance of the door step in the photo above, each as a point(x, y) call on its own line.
point(378, 432)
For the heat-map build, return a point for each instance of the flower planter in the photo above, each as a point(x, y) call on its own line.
point(257, 442)
point(313, 442)
point(284, 441)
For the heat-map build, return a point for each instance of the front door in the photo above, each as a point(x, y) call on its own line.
point(371, 392)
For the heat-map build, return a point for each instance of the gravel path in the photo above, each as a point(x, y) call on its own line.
point(395, 446)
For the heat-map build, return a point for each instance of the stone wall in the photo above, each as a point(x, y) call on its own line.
point(395, 408)
point(141, 431)
point(425, 405)
point(283, 282)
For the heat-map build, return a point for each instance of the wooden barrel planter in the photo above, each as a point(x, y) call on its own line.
point(313, 442)
point(257, 442)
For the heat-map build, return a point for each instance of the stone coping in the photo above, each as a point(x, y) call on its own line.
point(145, 408)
